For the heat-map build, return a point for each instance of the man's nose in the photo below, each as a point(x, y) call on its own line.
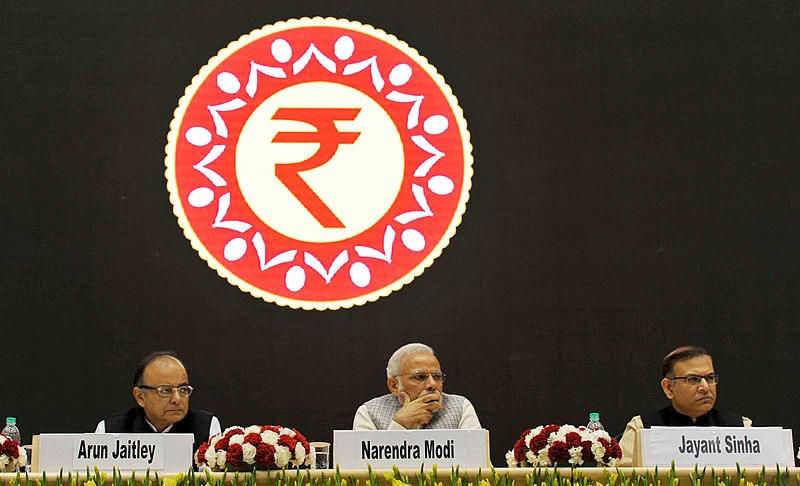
point(175, 397)
point(430, 382)
point(703, 385)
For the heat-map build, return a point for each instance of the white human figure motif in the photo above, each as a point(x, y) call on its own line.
point(398, 76)
point(261, 251)
point(344, 48)
point(422, 202)
point(312, 50)
point(219, 122)
point(433, 125)
point(227, 83)
point(338, 262)
point(281, 52)
point(201, 137)
point(386, 254)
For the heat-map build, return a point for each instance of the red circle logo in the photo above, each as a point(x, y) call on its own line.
point(318, 163)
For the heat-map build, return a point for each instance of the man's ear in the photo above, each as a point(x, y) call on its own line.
point(138, 395)
point(666, 385)
point(394, 385)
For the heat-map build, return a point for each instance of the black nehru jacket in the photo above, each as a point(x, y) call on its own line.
point(669, 417)
point(197, 422)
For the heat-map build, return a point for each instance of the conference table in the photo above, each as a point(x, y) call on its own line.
point(627, 476)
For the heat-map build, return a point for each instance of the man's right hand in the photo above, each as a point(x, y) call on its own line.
point(416, 413)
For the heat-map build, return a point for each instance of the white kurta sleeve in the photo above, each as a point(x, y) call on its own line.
point(469, 419)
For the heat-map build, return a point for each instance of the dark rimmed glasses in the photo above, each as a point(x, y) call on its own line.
point(165, 391)
point(694, 380)
point(420, 377)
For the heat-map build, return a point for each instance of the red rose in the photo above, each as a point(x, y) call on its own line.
point(617, 449)
point(550, 429)
point(233, 432)
point(200, 455)
point(612, 449)
point(538, 442)
point(265, 455)
point(252, 439)
point(573, 439)
point(221, 444)
point(519, 449)
point(287, 441)
point(558, 452)
point(11, 448)
point(302, 440)
point(234, 456)
point(299, 436)
point(586, 451)
point(272, 428)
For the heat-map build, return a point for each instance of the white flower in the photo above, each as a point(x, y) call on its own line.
point(269, 437)
point(23, 457)
point(211, 456)
point(575, 456)
point(2, 439)
point(603, 434)
point(599, 451)
point(236, 439)
point(3, 461)
point(253, 429)
point(563, 431)
point(299, 453)
point(214, 440)
point(286, 431)
point(543, 459)
point(282, 456)
point(221, 457)
point(510, 460)
point(248, 453)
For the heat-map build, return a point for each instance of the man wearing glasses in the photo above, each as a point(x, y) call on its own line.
point(415, 401)
point(161, 390)
point(690, 382)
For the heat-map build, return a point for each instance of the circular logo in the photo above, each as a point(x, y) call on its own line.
point(318, 163)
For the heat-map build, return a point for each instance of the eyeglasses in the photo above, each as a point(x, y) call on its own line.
point(694, 380)
point(165, 391)
point(420, 377)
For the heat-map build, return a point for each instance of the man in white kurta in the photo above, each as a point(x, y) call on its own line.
point(415, 399)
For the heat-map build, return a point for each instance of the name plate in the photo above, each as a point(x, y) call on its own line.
point(716, 446)
point(382, 449)
point(171, 453)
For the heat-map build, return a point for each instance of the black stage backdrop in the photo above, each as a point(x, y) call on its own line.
point(635, 189)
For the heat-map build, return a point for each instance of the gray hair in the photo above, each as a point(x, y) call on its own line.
point(395, 364)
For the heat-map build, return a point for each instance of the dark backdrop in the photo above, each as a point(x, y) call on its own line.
point(635, 189)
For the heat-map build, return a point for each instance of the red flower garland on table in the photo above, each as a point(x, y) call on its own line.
point(262, 446)
point(559, 444)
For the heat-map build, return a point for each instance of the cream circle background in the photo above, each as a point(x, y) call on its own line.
point(359, 184)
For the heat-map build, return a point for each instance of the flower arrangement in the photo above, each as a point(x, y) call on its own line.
point(12, 456)
point(564, 444)
point(256, 446)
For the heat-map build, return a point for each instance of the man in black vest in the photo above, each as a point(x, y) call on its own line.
point(161, 390)
point(690, 382)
